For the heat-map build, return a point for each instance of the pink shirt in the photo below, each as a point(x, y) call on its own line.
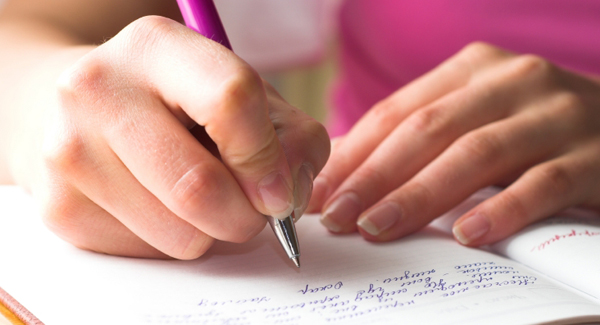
point(387, 43)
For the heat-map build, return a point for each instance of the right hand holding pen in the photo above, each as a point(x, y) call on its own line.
point(130, 162)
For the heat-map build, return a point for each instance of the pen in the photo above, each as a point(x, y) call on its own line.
point(202, 16)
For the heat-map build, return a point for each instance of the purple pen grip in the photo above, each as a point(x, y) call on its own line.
point(202, 16)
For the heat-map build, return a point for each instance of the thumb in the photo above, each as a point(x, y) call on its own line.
point(249, 145)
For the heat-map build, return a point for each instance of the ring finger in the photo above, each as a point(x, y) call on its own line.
point(478, 159)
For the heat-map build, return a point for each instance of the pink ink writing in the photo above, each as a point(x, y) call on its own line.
point(557, 238)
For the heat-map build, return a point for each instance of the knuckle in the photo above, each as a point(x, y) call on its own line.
point(241, 90)
point(84, 79)
point(316, 135)
point(65, 153)
point(146, 31)
point(483, 148)
point(569, 100)
point(195, 188)
point(369, 175)
point(556, 178)
point(473, 57)
point(381, 108)
point(386, 113)
point(429, 122)
point(422, 197)
point(153, 24)
point(529, 64)
point(513, 206)
point(478, 48)
point(570, 105)
point(262, 154)
point(478, 51)
point(314, 129)
point(384, 106)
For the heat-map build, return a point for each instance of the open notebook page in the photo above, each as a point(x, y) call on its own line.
point(426, 278)
point(565, 247)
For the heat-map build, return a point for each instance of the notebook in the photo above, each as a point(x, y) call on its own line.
point(546, 273)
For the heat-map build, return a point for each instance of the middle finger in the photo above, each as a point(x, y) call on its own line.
point(415, 143)
point(478, 159)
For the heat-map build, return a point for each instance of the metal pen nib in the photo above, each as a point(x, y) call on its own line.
point(286, 234)
point(202, 16)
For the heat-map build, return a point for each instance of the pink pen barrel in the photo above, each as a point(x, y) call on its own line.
point(202, 16)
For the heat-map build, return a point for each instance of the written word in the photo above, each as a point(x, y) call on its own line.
point(571, 234)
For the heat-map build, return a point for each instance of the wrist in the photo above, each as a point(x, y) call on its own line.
point(27, 112)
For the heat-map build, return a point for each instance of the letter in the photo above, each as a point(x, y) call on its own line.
point(372, 289)
point(338, 285)
point(359, 295)
point(304, 291)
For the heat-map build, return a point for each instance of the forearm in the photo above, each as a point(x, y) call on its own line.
point(40, 40)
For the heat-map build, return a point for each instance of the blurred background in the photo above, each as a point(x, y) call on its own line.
point(291, 43)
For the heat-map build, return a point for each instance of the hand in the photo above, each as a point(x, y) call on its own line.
point(483, 117)
point(162, 141)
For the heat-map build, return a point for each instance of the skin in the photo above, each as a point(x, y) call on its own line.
point(126, 158)
point(483, 117)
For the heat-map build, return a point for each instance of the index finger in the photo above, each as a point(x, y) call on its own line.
point(219, 91)
point(379, 122)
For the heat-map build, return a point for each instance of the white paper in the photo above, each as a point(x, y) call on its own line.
point(565, 247)
point(426, 278)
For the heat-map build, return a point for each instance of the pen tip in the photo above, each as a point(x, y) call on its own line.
point(296, 261)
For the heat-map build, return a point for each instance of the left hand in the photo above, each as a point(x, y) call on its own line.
point(483, 117)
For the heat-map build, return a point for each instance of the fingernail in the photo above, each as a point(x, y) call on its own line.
point(343, 210)
point(330, 225)
point(380, 218)
point(276, 195)
point(303, 190)
point(472, 228)
point(320, 192)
